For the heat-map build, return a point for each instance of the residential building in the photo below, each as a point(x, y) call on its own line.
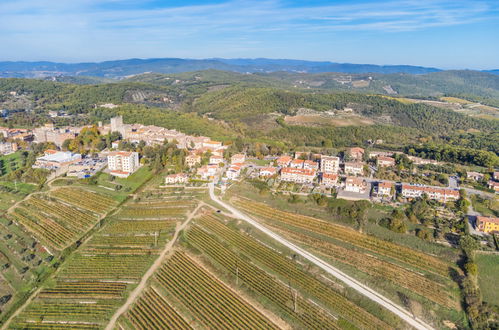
point(237, 158)
point(310, 165)
point(297, 163)
point(207, 171)
point(384, 161)
point(284, 161)
point(234, 171)
point(212, 145)
point(440, 194)
point(354, 184)
point(298, 175)
point(53, 159)
point(330, 164)
point(216, 159)
point(329, 179)
point(422, 161)
point(384, 189)
point(192, 160)
point(487, 224)
point(356, 153)
point(496, 175)
point(7, 148)
point(176, 178)
point(196, 142)
point(376, 154)
point(123, 163)
point(474, 176)
point(494, 185)
point(354, 168)
point(266, 172)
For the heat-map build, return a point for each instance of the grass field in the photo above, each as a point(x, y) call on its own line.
point(488, 270)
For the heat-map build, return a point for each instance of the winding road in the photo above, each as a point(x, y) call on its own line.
point(349, 281)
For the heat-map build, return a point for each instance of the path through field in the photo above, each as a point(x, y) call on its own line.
point(159, 261)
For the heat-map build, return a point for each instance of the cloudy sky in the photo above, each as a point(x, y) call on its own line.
point(439, 33)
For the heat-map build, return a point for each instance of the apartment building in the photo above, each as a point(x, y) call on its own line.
point(384, 161)
point(354, 184)
point(7, 148)
point(354, 168)
point(330, 164)
point(237, 158)
point(266, 172)
point(356, 153)
point(296, 163)
point(298, 175)
point(216, 159)
point(384, 189)
point(207, 171)
point(284, 161)
point(234, 171)
point(310, 165)
point(440, 194)
point(123, 163)
point(329, 179)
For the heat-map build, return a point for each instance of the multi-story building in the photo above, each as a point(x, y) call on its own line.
point(266, 172)
point(384, 161)
point(354, 184)
point(354, 168)
point(176, 178)
point(384, 189)
point(298, 175)
point(330, 164)
point(234, 171)
point(487, 224)
point(496, 175)
point(216, 159)
point(192, 160)
point(7, 148)
point(443, 195)
point(237, 158)
point(212, 145)
point(296, 163)
point(284, 161)
point(123, 163)
point(329, 179)
point(356, 153)
point(310, 165)
point(207, 171)
point(53, 159)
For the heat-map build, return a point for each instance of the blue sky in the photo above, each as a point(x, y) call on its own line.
point(439, 33)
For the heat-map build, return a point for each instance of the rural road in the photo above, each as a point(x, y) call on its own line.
point(159, 261)
point(351, 282)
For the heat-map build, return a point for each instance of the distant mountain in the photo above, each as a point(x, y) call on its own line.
point(125, 68)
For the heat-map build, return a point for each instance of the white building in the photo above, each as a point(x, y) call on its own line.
point(354, 184)
point(440, 194)
point(329, 179)
point(7, 148)
point(233, 172)
point(216, 159)
point(330, 164)
point(192, 160)
point(354, 168)
point(123, 163)
point(238, 159)
point(384, 189)
point(297, 175)
point(53, 159)
point(207, 171)
point(176, 178)
point(266, 172)
point(384, 161)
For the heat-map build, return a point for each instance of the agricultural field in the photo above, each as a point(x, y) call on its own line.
point(208, 303)
point(96, 279)
point(488, 268)
point(396, 270)
point(281, 284)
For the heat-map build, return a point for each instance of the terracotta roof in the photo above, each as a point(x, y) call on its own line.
point(300, 171)
point(488, 219)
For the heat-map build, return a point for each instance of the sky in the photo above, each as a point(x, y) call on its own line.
point(448, 34)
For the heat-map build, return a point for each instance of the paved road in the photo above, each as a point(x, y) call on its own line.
point(351, 282)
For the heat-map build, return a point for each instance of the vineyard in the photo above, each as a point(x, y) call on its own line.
point(289, 271)
point(402, 254)
point(96, 279)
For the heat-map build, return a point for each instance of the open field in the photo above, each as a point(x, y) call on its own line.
point(488, 269)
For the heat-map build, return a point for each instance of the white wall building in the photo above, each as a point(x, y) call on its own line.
point(123, 163)
point(330, 164)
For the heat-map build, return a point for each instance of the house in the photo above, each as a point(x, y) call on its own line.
point(376, 154)
point(207, 171)
point(384, 161)
point(330, 164)
point(443, 195)
point(356, 153)
point(176, 178)
point(297, 163)
point(297, 175)
point(192, 160)
point(266, 172)
point(237, 158)
point(122, 163)
point(487, 224)
point(301, 155)
point(496, 176)
point(7, 148)
point(234, 171)
point(196, 142)
point(494, 185)
point(329, 179)
point(53, 159)
point(354, 184)
point(474, 176)
point(354, 168)
point(212, 145)
point(310, 165)
point(284, 161)
point(384, 189)
point(216, 159)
